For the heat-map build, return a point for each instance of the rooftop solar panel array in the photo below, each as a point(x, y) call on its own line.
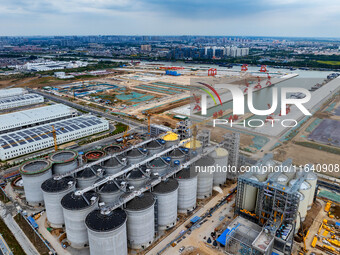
point(14, 99)
point(30, 135)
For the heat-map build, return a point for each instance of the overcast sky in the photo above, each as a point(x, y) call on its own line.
point(314, 18)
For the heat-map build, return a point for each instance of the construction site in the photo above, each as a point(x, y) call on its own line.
point(170, 183)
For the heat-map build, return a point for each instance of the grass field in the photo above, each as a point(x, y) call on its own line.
point(333, 63)
point(10, 239)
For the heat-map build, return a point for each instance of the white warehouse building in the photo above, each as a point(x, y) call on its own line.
point(12, 92)
point(26, 141)
point(20, 100)
point(37, 116)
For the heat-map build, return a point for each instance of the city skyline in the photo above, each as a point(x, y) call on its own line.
point(148, 17)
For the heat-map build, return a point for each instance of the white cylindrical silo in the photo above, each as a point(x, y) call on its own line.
point(166, 193)
point(220, 156)
point(303, 206)
point(113, 165)
point(75, 208)
point(159, 166)
point(54, 189)
point(107, 232)
point(170, 139)
point(141, 221)
point(89, 176)
point(155, 146)
point(204, 176)
point(187, 190)
point(249, 196)
point(109, 192)
point(33, 174)
point(305, 189)
point(282, 179)
point(64, 161)
point(136, 155)
point(136, 178)
point(312, 179)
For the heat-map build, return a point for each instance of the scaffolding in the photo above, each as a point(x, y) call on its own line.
point(276, 205)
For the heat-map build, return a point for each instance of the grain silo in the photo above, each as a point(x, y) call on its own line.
point(312, 179)
point(303, 206)
point(141, 221)
point(64, 161)
point(166, 193)
point(34, 173)
point(136, 178)
point(282, 179)
point(75, 208)
point(155, 146)
point(113, 165)
point(204, 176)
point(305, 189)
point(54, 189)
point(220, 156)
point(112, 149)
point(89, 176)
point(193, 144)
point(92, 156)
point(187, 190)
point(178, 154)
point(159, 165)
point(170, 139)
point(109, 192)
point(249, 196)
point(136, 155)
point(107, 232)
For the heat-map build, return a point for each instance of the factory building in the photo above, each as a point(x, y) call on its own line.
point(32, 117)
point(20, 100)
point(277, 201)
point(15, 144)
point(4, 93)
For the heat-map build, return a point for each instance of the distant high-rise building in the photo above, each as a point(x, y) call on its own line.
point(145, 47)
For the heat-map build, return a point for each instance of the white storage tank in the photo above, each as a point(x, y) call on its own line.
point(305, 189)
point(170, 139)
point(166, 193)
point(113, 165)
point(250, 196)
point(187, 190)
point(107, 232)
point(159, 165)
point(109, 192)
point(220, 156)
point(312, 179)
point(136, 178)
point(34, 173)
point(89, 176)
point(204, 176)
point(75, 208)
point(282, 179)
point(155, 146)
point(136, 155)
point(303, 206)
point(64, 161)
point(54, 189)
point(141, 221)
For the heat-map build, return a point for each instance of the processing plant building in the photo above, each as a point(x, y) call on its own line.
point(21, 142)
point(20, 100)
point(32, 117)
point(12, 92)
